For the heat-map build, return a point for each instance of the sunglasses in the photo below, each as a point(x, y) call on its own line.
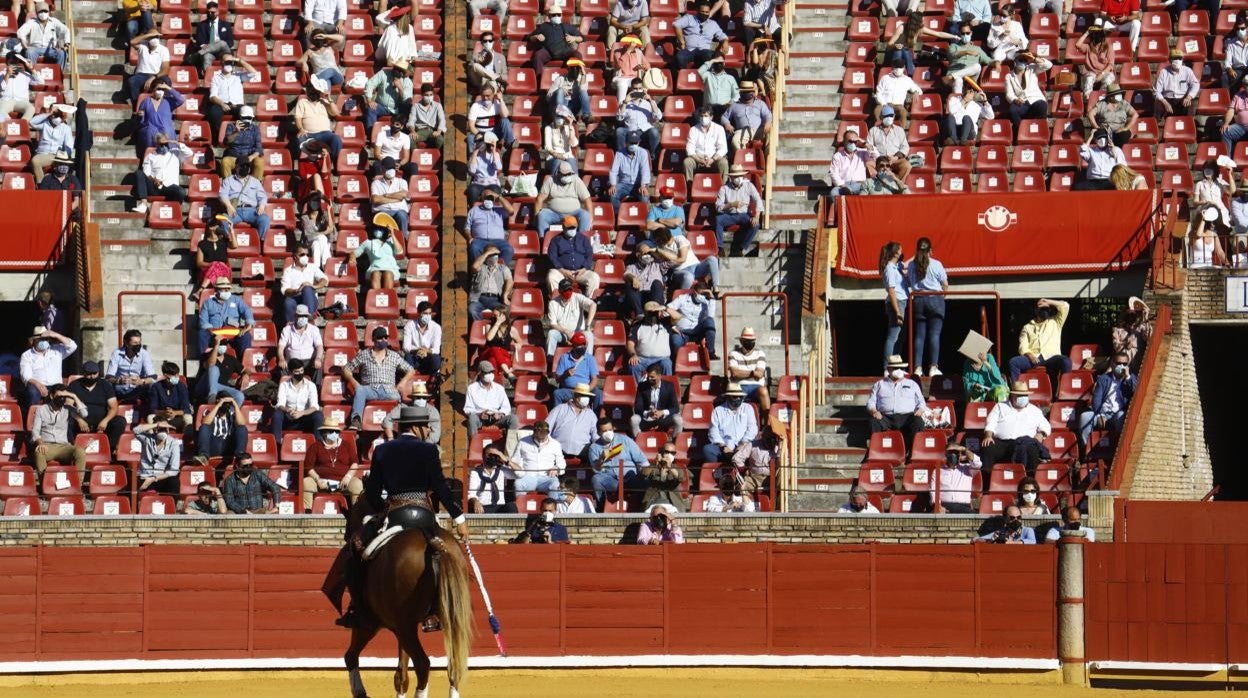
point(1031, 491)
point(1015, 518)
point(669, 453)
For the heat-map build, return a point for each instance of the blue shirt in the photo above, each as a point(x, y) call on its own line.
point(487, 225)
point(730, 427)
point(692, 307)
point(631, 455)
point(160, 395)
point(980, 9)
point(218, 313)
point(699, 34)
point(483, 169)
point(584, 372)
point(740, 115)
point(121, 365)
point(245, 144)
point(628, 170)
point(244, 192)
point(894, 279)
point(639, 116)
point(934, 280)
point(53, 137)
point(657, 212)
point(159, 119)
point(571, 253)
point(900, 397)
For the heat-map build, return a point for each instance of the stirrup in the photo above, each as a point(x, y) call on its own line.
point(432, 624)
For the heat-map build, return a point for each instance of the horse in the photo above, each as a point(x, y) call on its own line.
point(399, 591)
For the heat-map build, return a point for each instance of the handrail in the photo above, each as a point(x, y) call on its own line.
point(1123, 469)
point(777, 107)
point(990, 294)
point(1165, 263)
point(815, 271)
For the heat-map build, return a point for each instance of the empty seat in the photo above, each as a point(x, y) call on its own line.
point(876, 476)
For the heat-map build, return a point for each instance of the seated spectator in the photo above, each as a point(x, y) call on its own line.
point(973, 14)
point(44, 37)
point(49, 430)
point(660, 527)
point(486, 227)
point(954, 483)
point(567, 314)
point(1099, 159)
point(317, 225)
point(1176, 87)
point(542, 528)
point(1114, 117)
point(382, 249)
point(427, 121)
point(491, 285)
point(1028, 501)
point(1070, 522)
point(331, 465)
point(553, 39)
point(888, 140)
point(1211, 190)
point(1235, 122)
point(1204, 245)
point(155, 114)
point(130, 369)
point(966, 113)
point(638, 115)
point(314, 116)
point(561, 196)
point(650, 342)
point(762, 62)
point(895, 89)
point(487, 65)
point(242, 145)
point(422, 341)
point(728, 499)
point(537, 461)
point(160, 457)
point(656, 406)
point(569, 90)
point(573, 424)
point(1023, 91)
point(630, 177)
point(706, 147)
point(982, 380)
point(719, 87)
point(168, 398)
point(301, 280)
point(40, 366)
point(747, 366)
point(627, 59)
point(1040, 341)
point(221, 431)
point(611, 457)
point(321, 57)
point(485, 168)
point(213, 38)
point(628, 19)
point(734, 428)
point(1122, 16)
point(208, 501)
point(738, 204)
point(568, 501)
point(487, 491)
point(1111, 397)
point(314, 176)
point(226, 93)
point(663, 480)
point(1012, 530)
point(858, 503)
point(298, 404)
point(151, 64)
point(398, 40)
point(301, 341)
point(692, 317)
point(100, 401)
point(486, 403)
point(760, 21)
point(747, 120)
point(665, 225)
point(896, 402)
point(1235, 58)
point(966, 62)
point(323, 16)
point(161, 174)
point(62, 177)
point(250, 491)
point(698, 37)
point(575, 369)
point(1013, 433)
point(56, 136)
point(560, 142)
point(223, 313)
point(500, 338)
point(420, 406)
point(388, 93)
point(15, 86)
point(138, 16)
point(571, 258)
point(1100, 60)
point(489, 115)
point(850, 167)
point(244, 200)
point(374, 374)
point(1133, 331)
point(645, 279)
point(1006, 36)
point(884, 182)
point(388, 194)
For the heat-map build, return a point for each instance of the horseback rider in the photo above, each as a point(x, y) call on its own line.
point(408, 469)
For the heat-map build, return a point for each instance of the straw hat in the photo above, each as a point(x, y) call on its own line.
point(895, 361)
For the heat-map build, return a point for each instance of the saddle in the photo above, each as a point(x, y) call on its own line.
point(377, 531)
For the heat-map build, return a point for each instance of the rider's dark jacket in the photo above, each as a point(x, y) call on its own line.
point(408, 465)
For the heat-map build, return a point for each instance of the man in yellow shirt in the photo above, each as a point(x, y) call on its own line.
point(1040, 341)
point(139, 19)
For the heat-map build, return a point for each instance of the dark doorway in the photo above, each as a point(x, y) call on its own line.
point(1218, 351)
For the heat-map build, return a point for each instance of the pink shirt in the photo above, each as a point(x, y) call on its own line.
point(628, 63)
point(848, 167)
point(646, 535)
point(1239, 106)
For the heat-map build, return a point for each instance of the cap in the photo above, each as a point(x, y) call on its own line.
point(388, 163)
point(246, 113)
point(490, 137)
point(301, 310)
point(90, 367)
point(887, 110)
point(578, 339)
point(569, 222)
point(485, 367)
point(575, 63)
point(62, 158)
point(666, 192)
point(634, 137)
point(400, 65)
point(566, 285)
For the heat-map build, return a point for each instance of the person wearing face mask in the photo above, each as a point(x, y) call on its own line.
point(888, 140)
point(638, 117)
point(151, 63)
point(301, 280)
point(161, 174)
point(896, 296)
point(628, 59)
point(698, 37)
point(560, 142)
point(1235, 55)
point(220, 373)
point(663, 480)
point(628, 18)
point(656, 405)
point(849, 167)
point(15, 85)
point(130, 368)
point(665, 216)
point(650, 342)
point(1040, 341)
point(573, 424)
point(719, 87)
point(160, 457)
point(155, 115)
point(1006, 36)
point(660, 526)
point(706, 146)
point(567, 499)
point(62, 178)
point(213, 38)
point(248, 490)
point(577, 367)
point(645, 279)
point(859, 503)
point(966, 61)
point(487, 64)
point(50, 438)
point(692, 317)
point(388, 93)
point(492, 285)
point(612, 456)
point(630, 176)
point(571, 258)
point(561, 196)
point(738, 205)
point(567, 313)
point(746, 120)
point(542, 528)
point(321, 57)
point(40, 365)
point(244, 200)
point(1114, 116)
point(537, 461)
point(169, 399)
point(226, 93)
point(486, 226)
point(677, 252)
point(44, 36)
point(1217, 183)
point(420, 400)
point(331, 464)
point(316, 223)
point(1100, 64)
point(1176, 87)
point(242, 144)
point(1111, 397)
point(1011, 531)
point(732, 441)
point(314, 116)
point(486, 402)
point(1023, 91)
point(570, 90)
point(298, 406)
point(966, 114)
point(485, 169)
point(1028, 500)
point(1099, 158)
point(487, 484)
point(382, 249)
point(1125, 16)
point(1133, 331)
point(225, 310)
point(553, 39)
point(953, 484)
point(389, 194)
point(426, 122)
point(1013, 432)
point(301, 340)
point(895, 89)
point(422, 341)
point(1235, 121)
point(55, 136)
point(747, 365)
point(896, 402)
point(487, 116)
point(100, 400)
point(221, 431)
point(376, 373)
point(1071, 525)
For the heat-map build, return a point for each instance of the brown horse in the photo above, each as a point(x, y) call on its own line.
point(400, 591)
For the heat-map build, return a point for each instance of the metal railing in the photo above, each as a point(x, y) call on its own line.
point(1123, 467)
point(969, 293)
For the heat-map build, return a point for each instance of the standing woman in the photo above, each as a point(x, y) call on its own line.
point(926, 273)
point(892, 271)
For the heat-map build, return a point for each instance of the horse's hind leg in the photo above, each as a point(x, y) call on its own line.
point(360, 638)
point(401, 681)
point(410, 642)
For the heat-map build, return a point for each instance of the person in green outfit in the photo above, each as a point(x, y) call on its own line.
point(982, 380)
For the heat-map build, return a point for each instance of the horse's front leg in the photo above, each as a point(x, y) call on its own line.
point(401, 680)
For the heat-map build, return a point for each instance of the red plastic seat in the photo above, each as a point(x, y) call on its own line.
point(929, 445)
point(1005, 477)
point(1054, 477)
point(22, 506)
point(1179, 129)
point(1062, 445)
point(876, 476)
point(156, 505)
point(1076, 385)
point(619, 390)
point(1039, 387)
point(955, 158)
point(190, 477)
point(1061, 412)
point(111, 505)
point(690, 359)
point(976, 415)
point(95, 446)
point(69, 505)
point(917, 476)
point(17, 481)
point(995, 504)
point(887, 446)
point(696, 416)
point(61, 479)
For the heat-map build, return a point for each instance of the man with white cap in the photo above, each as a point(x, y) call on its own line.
point(747, 365)
point(45, 36)
point(15, 85)
point(161, 173)
point(554, 38)
point(226, 93)
point(151, 62)
point(314, 116)
point(300, 339)
point(486, 403)
point(55, 136)
point(243, 145)
point(896, 402)
point(225, 310)
point(491, 284)
point(40, 365)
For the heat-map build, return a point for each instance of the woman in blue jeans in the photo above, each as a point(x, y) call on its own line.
point(927, 274)
point(892, 271)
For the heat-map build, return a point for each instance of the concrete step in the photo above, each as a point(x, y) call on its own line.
point(810, 119)
point(809, 93)
point(795, 199)
point(807, 500)
point(101, 87)
point(101, 61)
point(815, 65)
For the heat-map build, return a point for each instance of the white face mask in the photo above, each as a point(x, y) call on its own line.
point(1116, 98)
point(607, 436)
point(1029, 497)
point(43, 16)
point(569, 232)
point(887, 121)
point(582, 401)
point(301, 322)
point(331, 437)
point(390, 174)
point(487, 204)
point(1021, 402)
point(897, 374)
point(224, 295)
point(227, 69)
point(705, 120)
point(153, 43)
point(419, 402)
point(487, 377)
point(1100, 142)
point(851, 147)
point(898, 72)
point(647, 258)
point(1120, 370)
point(1207, 173)
point(303, 260)
point(1241, 33)
point(1176, 64)
point(966, 38)
point(488, 45)
point(667, 203)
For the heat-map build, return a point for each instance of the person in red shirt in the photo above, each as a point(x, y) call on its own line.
point(500, 338)
point(331, 465)
point(1123, 16)
point(314, 171)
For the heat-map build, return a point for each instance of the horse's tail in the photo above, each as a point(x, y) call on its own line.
point(455, 599)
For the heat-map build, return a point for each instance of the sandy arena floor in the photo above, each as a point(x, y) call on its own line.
point(621, 683)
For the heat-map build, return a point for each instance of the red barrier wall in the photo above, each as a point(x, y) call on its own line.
point(32, 229)
point(1184, 522)
point(264, 601)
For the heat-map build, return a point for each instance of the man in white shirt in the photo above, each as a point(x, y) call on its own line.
point(297, 405)
point(486, 403)
point(894, 89)
point(301, 340)
point(706, 147)
point(858, 503)
point(393, 142)
point(40, 365)
point(329, 16)
point(567, 313)
point(1008, 422)
point(45, 36)
point(422, 340)
point(1070, 522)
point(1099, 158)
point(538, 461)
point(388, 194)
point(151, 62)
point(226, 93)
point(161, 174)
point(300, 282)
point(15, 85)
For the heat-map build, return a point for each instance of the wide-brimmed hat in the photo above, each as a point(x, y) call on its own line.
point(385, 220)
point(319, 84)
point(302, 310)
point(582, 389)
point(419, 389)
point(748, 333)
point(737, 171)
point(1019, 388)
point(312, 147)
point(895, 361)
point(223, 282)
point(62, 158)
point(412, 415)
point(747, 86)
point(38, 332)
point(1114, 90)
point(734, 389)
point(632, 41)
point(330, 424)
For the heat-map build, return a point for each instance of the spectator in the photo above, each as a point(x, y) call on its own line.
point(155, 114)
point(650, 342)
point(628, 60)
point(1099, 159)
point(966, 113)
point(55, 137)
point(372, 374)
point(489, 115)
point(543, 529)
point(168, 399)
point(719, 87)
point(300, 341)
point(1012, 530)
point(161, 174)
point(561, 196)
point(628, 19)
point(747, 367)
point(44, 36)
point(577, 368)
point(573, 424)
point(663, 480)
point(398, 40)
point(317, 226)
point(486, 403)
point(314, 177)
point(733, 429)
point(656, 406)
point(160, 457)
point(1100, 60)
point(568, 313)
point(226, 93)
point(41, 364)
point(660, 528)
point(486, 227)
point(500, 337)
point(225, 315)
point(217, 373)
point(420, 405)
point(301, 280)
point(1204, 249)
point(485, 166)
point(393, 142)
point(897, 295)
point(1176, 87)
point(895, 89)
point(388, 194)
point(130, 368)
point(612, 457)
point(888, 140)
point(560, 142)
point(487, 491)
point(537, 461)
point(850, 165)
point(698, 37)
point(422, 340)
point(1235, 122)
point(327, 16)
point(491, 285)
point(1123, 16)
point(675, 250)
point(1111, 398)
point(1023, 91)
point(692, 319)
point(706, 147)
point(728, 499)
point(100, 401)
point(1209, 191)
point(858, 503)
point(569, 502)
point(738, 204)
point(297, 405)
point(760, 21)
point(645, 279)
point(966, 61)
point(1006, 36)
point(382, 249)
point(331, 465)
point(975, 14)
point(388, 93)
point(668, 217)
point(1013, 432)
point(1235, 58)
point(1114, 117)
point(569, 90)
point(1028, 501)
point(1040, 341)
point(62, 179)
point(554, 40)
point(138, 17)
point(242, 144)
point(213, 38)
point(572, 259)
point(884, 182)
point(952, 485)
point(314, 116)
point(250, 491)
point(221, 430)
point(927, 275)
point(896, 402)
point(151, 64)
point(1070, 522)
point(639, 117)
point(487, 65)
point(427, 124)
point(244, 200)
point(1132, 332)
point(49, 430)
point(321, 58)
point(208, 501)
point(982, 380)
point(15, 86)
point(747, 120)
point(907, 39)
